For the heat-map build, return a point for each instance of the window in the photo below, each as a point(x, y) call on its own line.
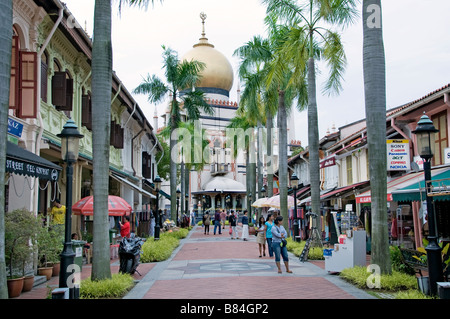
point(62, 89)
point(348, 161)
point(44, 78)
point(23, 81)
point(441, 141)
point(86, 111)
point(146, 165)
point(116, 135)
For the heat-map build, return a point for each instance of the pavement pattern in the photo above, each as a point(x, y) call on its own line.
point(208, 266)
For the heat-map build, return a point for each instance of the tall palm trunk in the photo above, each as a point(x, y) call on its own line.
point(6, 22)
point(173, 172)
point(269, 126)
point(260, 163)
point(313, 140)
point(375, 101)
point(101, 117)
point(282, 167)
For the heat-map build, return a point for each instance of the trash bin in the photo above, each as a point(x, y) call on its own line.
point(295, 227)
point(112, 233)
point(77, 246)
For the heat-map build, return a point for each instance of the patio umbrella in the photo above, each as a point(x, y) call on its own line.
point(259, 202)
point(274, 201)
point(117, 206)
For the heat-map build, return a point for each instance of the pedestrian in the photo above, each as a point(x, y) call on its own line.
point(192, 218)
point(206, 222)
point(125, 227)
point(233, 221)
point(223, 217)
point(217, 222)
point(58, 213)
point(269, 224)
point(260, 237)
point(279, 236)
point(245, 226)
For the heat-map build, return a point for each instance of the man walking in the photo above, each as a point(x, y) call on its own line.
point(217, 222)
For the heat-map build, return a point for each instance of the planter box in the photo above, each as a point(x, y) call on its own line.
point(15, 287)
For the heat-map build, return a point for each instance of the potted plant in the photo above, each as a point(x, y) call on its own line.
point(21, 228)
point(50, 244)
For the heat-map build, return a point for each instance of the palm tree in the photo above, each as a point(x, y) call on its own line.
point(181, 76)
point(101, 98)
point(253, 57)
point(307, 41)
point(375, 99)
point(6, 21)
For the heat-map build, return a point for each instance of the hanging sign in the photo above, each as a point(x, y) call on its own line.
point(398, 158)
point(15, 128)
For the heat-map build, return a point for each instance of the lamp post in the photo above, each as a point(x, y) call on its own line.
point(178, 202)
point(425, 132)
point(157, 182)
point(294, 185)
point(69, 153)
point(186, 199)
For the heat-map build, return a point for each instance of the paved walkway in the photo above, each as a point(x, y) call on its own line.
point(217, 267)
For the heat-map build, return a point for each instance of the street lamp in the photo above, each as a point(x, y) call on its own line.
point(157, 182)
point(70, 145)
point(425, 132)
point(263, 191)
point(186, 198)
point(294, 185)
point(178, 202)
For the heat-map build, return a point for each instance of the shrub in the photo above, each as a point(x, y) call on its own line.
point(395, 282)
point(315, 253)
point(159, 250)
point(116, 287)
point(411, 294)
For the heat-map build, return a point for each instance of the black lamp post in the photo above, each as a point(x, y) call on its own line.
point(69, 152)
point(178, 203)
point(157, 182)
point(425, 132)
point(186, 198)
point(294, 185)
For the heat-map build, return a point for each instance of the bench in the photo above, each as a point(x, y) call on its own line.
point(408, 258)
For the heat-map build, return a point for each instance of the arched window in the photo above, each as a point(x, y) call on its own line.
point(23, 81)
point(62, 88)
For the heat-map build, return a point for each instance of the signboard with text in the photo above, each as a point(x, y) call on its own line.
point(398, 158)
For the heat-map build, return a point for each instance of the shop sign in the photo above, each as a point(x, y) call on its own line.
point(398, 158)
point(328, 162)
point(15, 128)
point(447, 156)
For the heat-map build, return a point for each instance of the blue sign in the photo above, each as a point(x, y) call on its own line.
point(15, 128)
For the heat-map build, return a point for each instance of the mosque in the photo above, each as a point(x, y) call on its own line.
point(222, 182)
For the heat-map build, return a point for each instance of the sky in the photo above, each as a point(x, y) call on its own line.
point(415, 33)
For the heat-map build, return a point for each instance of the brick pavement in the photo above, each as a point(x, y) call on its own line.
point(217, 267)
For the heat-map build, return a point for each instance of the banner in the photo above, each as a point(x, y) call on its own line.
point(398, 158)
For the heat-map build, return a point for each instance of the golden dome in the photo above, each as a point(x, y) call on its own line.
point(218, 72)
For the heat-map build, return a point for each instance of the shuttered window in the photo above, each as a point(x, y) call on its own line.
point(44, 76)
point(28, 85)
point(14, 80)
point(441, 140)
point(146, 165)
point(116, 135)
point(62, 91)
point(86, 111)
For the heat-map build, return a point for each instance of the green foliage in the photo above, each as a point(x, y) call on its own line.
point(397, 281)
point(21, 229)
point(315, 253)
point(50, 243)
point(159, 250)
point(411, 294)
point(116, 287)
point(397, 263)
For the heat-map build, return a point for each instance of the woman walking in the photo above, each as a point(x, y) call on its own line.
point(232, 220)
point(206, 222)
point(278, 234)
point(268, 233)
point(261, 236)
point(245, 226)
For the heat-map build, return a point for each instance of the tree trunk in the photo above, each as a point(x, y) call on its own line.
point(282, 167)
point(313, 141)
point(269, 125)
point(375, 101)
point(260, 164)
point(173, 175)
point(101, 117)
point(6, 21)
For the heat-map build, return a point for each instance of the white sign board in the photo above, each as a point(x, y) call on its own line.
point(398, 158)
point(447, 156)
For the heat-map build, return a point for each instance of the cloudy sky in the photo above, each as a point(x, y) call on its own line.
point(416, 39)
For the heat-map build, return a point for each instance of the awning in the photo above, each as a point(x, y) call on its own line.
point(23, 162)
point(399, 183)
point(344, 189)
point(137, 188)
point(336, 192)
point(416, 191)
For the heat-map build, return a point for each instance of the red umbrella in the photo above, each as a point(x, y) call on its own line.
point(117, 206)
